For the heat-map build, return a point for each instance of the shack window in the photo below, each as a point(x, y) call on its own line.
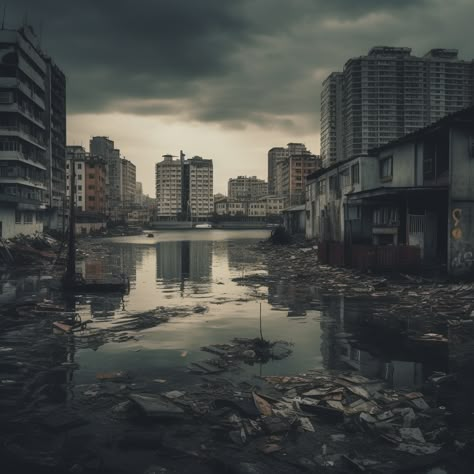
point(386, 168)
point(355, 177)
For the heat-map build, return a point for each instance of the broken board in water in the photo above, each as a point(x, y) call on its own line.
point(156, 406)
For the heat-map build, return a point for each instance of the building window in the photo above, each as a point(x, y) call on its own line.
point(17, 217)
point(91, 176)
point(28, 217)
point(355, 177)
point(79, 166)
point(333, 183)
point(386, 168)
point(322, 187)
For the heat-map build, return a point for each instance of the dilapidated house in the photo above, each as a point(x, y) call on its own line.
point(413, 202)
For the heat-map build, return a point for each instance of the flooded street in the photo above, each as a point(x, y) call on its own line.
point(170, 372)
point(189, 269)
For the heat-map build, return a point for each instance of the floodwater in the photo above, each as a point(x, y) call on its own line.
point(197, 268)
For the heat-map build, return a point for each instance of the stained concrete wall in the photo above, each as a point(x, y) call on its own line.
point(11, 229)
point(461, 203)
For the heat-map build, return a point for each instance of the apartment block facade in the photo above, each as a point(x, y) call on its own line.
point(184, 188)
point(389, 93)
point(129, 183)
point(332, 144)
point(293, 175)
point(90, 178)
point(276, 156)
point(246, 187)
point(104, 147)
point(32, 135)
point(168, 188)
point(262, 207)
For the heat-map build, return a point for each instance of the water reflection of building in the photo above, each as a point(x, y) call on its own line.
point(16, 289)
point(123, 259)
point(351, 339)
point(185, 260)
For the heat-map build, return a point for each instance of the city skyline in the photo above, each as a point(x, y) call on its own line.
point(243, 96)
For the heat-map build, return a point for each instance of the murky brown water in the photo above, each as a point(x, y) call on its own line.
point(191, 268)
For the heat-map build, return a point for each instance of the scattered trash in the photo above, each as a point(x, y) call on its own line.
point(155, 406)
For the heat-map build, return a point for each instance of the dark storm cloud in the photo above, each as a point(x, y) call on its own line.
point(226, 61)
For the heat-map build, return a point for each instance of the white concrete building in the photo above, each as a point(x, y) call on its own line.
point(184, 188)
point(77, 155)
point(389, 93)
point(168, 188)
point(201, 187)
point(24, 167)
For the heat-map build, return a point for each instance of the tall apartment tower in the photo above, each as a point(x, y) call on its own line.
point(168, 188)
point(56, 139)
point(184, 188)
point(246, 188)
point(90, 178)
point(32, 136)
point(201, 187)
point(294, 171)
point(129, 183)
point(275, 156)
point(104, 147)
point(331, 119)
point(389, 93)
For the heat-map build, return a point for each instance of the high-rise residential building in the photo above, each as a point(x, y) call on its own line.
point(184, 188)
point(104, 147)
point(56, 139)
point(290, 166)
point(168, 188)
point(294, 171)
point(89, 178)
point(201, 187)
point(32, 135)
point(390, 93)
point(139, 196)
point(129, 183)
point(246, 188)
point(331, 119)
point(275, 156)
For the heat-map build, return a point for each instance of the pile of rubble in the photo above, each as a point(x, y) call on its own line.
point(412, 298)
point(26, 250)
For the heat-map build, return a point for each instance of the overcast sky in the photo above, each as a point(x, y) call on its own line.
point(223, 79)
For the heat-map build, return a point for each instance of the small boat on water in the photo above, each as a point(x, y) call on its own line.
point(203, 226)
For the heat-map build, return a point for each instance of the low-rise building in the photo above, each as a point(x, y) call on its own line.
point(266, 206)
point(247, 188)
point(414, 203)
